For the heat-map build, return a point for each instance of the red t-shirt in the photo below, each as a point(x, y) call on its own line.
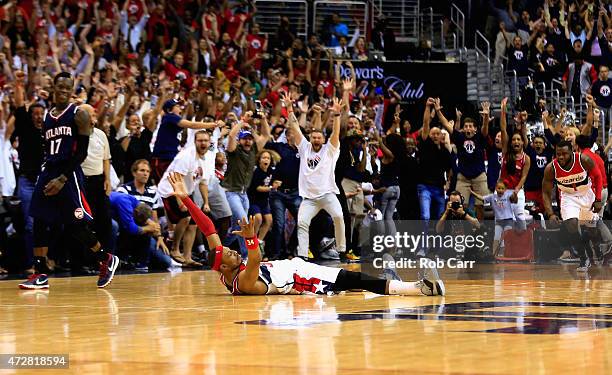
point(232, 22)
point(512, 180)
point(255, 45)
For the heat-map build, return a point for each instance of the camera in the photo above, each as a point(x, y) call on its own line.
point(455, 205)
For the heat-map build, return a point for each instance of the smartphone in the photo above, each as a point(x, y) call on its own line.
point(154, 99)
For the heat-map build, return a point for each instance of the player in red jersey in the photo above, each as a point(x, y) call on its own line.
point(293, 276)
point(579, 183)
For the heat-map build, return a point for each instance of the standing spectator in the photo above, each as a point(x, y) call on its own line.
point(241, 158)
point(471, 145)
point(336, 30)
point(518, 61)
point(354, 149)
point(434, 164)
point(132, 26)
point(167, 141)
point(259, 194)
point(541, 154)
point(28, 126)
point(190, 164)
point(515, 166)
point(286, 196)
point(317, 182)
point(96, 168)
point(579, 74)
point(602, 88)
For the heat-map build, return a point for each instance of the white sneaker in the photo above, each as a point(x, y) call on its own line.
point(432, 285)
point(330, 254)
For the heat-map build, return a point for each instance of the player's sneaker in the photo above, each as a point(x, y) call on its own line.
point(389, 273)
point(107, 270)
point(36, 281)
point(584, 265)
point(330, 254)
point(432, 285)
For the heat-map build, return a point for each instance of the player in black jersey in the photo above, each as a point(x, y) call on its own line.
point(58, 197)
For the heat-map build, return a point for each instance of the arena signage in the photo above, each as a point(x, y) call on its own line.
point(415, 82)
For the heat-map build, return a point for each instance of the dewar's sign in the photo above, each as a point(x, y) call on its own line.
point(415, 82)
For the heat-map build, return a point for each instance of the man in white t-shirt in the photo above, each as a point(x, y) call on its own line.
point(317, 184)
point(190, 163)
point(96, 168)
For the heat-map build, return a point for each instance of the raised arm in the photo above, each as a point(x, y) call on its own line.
point(292, 121)
point(264, 136)
point(503, 125)
point(427, 118)
point(441, 117)
point(232, 143)
point(587, 128)
point(336, 108)
point(485, 118)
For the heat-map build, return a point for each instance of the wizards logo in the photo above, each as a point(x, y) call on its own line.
point(513, 317)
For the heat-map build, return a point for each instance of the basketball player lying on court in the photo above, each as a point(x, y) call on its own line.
point(293, 276)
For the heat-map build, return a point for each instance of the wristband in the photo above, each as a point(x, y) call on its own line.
point(252, 243)
point(218, 256)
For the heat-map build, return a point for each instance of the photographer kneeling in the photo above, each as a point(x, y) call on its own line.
point(457, 223)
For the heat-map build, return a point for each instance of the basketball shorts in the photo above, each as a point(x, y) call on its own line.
point(67, 206)
point(298, 276)
point(578, 206)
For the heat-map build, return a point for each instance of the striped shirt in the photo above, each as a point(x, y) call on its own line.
point(150, 196)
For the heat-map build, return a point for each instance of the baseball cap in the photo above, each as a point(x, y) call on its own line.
point(169, 104)
point(245, 133)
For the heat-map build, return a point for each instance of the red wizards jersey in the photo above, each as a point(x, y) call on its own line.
point(572, 181)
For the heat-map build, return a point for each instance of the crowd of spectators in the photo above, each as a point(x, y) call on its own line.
point(195, 88)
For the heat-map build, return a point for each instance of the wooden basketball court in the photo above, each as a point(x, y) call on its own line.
point(496, 319)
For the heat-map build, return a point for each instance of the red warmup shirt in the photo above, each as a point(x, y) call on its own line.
point(600, 165)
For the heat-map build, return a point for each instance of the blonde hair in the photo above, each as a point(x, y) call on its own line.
point(573, 129)
point(273, 155)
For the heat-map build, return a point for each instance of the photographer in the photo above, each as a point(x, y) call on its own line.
point(457, 223)
point(455, 212)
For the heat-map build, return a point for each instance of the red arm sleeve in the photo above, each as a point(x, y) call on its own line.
point(597, 181)
point(202, 221)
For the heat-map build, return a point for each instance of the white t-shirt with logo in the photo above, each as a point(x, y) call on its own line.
point(191, 166)
point(317, 170)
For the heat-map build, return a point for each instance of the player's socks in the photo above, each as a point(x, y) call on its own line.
point(580, 244)
point(40, 265)
point(405, 288)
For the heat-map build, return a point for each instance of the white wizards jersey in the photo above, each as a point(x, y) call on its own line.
point(289, 276)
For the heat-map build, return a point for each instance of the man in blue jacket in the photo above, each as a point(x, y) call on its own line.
point(138, 230)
